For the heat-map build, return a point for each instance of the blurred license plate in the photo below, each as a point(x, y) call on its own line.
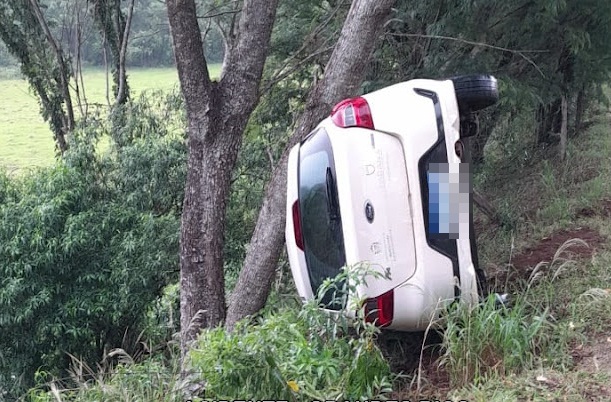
point(448, 199)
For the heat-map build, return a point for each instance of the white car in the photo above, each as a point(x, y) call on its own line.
point(383, 181)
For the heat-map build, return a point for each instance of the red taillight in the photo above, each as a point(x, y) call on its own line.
point(353, 112)
point(379, 310)
point(297, 225)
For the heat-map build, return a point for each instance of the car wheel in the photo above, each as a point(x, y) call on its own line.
point(475, 92)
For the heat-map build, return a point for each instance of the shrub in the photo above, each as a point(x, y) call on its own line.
point(293, 355)
point(85, 247)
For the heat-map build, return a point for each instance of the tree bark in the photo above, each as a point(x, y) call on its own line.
point(217, 114)
point(549, 118)
point(115, 29)
point(478, 142)
point(580, 108)
point(67, 117)
point(342, 78)
point(564, 127)
point(122, 90)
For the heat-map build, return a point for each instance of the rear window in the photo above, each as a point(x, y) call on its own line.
point(320, 217)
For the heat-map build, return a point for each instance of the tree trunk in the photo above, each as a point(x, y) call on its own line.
point(480, 139)
point(342, 78)
point(579, 111)
point(487, 208)
point(549, 118)
point(217, 114)
point(63, 78)
point(122, 89)
point(564, 128)
point(114, 28)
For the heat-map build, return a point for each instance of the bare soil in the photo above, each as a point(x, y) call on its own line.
point(404, 350)
point(595, 356)
point(547, 247)
point(603, 209)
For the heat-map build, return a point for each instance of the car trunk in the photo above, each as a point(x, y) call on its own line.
point(375, 205)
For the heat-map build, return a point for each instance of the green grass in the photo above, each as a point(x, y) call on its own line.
point(542, 196)
point(26, 140)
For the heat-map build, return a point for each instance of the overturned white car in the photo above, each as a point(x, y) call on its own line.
point(384, 181)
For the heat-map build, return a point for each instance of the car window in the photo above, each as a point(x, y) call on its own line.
point(319, 210)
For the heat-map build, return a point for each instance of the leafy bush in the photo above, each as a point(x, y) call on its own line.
point(293, 355)
point(87, 245)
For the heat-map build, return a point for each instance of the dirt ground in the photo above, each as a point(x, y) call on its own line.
point(545, 249)
point(404, 350)
point(522, 264)
point(595, 356)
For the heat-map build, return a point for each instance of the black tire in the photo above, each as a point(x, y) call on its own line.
point(475, 92)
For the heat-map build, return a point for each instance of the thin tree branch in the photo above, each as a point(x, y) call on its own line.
point(315, 32)
point(282, 74)
point(106, 66)
point(473, 43)
point(508, 14)
point(219, 14)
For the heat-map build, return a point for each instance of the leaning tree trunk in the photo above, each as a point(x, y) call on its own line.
point(343, 75)
point(217, 114)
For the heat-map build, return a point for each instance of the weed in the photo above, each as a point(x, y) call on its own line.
point(559, 264)
point(538, 385)
point(484, 340)
point(150, 380)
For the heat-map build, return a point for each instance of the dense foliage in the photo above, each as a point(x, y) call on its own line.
point(541, 51)
point(296, 354)
point(88, 244)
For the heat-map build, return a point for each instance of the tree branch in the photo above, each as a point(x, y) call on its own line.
point(473, 43)
point(122, 90)
point(219, 14)
point(281, 74)
point(69, 117)
point(242, 66)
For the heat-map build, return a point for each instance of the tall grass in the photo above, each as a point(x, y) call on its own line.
point(151, 380)
point(492, 340)
point(484, 341)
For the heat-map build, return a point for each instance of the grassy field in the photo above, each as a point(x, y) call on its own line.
point(26, 140)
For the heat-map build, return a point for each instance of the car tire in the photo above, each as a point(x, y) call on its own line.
point(475, 92)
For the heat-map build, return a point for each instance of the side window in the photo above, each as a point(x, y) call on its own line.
point(320, 215)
